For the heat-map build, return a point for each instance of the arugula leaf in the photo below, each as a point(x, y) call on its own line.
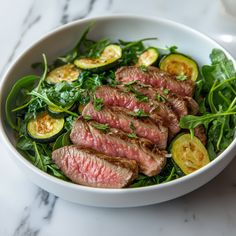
point(43, 97)
point(93, 49)
point(42, 78)
point(190, 121)
point(38, 158)
point(73, 53)
point(216, 95)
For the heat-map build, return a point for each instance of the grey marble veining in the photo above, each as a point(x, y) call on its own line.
point(37, 214)
point(27, 210)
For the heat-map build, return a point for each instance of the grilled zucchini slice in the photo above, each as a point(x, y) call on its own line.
point(68, 73)
point(188, 153)
point(45, 128)
point(180, 65)
point(109, 56)
point(148, 57)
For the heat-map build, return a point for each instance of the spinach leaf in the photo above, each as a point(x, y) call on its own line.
point(58, 143)
point(62, 140)
point(20, 91)
point(24, 143)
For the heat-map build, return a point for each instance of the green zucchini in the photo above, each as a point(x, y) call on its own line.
point(188, 153)
point(148, 57)
point(68, 73)
point(109, 56)
point(56, 112)
point(45, 128)
point(180, 65)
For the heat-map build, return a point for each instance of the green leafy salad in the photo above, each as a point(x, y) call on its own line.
point(52, 101)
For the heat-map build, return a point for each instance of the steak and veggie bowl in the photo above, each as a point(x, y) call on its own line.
point(122, 114)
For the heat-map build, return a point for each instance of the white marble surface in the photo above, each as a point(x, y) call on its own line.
point(27, 210)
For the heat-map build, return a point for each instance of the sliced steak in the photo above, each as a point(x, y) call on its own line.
point(199, 132)
point(90, 168)
point(193, 107)
point(112, 96)
point(156, 78)
point(116, 143)
point(180, 105)
point(119, 118)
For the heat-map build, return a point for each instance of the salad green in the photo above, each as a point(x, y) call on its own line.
point(215, 93)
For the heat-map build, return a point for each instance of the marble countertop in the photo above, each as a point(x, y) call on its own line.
point(28, 210)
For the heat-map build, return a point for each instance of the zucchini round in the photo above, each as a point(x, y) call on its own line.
point(45, 128)
point(68, 73)
point(148, 57)
point(179, 65)
point(189, 154)
point(107, 59)
point(56, 112)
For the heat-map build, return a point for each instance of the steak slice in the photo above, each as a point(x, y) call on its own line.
point(180, 105)
point(116, 143)
point(87, 167)
point(199, 132)
point(112, 96)
point(156, 78)
point(119, 118)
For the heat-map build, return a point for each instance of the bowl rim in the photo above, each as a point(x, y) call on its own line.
point(77, 187)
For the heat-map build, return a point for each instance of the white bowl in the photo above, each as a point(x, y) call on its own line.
point(124, 27)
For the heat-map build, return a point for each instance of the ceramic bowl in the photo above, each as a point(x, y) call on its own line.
point(124, 27)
